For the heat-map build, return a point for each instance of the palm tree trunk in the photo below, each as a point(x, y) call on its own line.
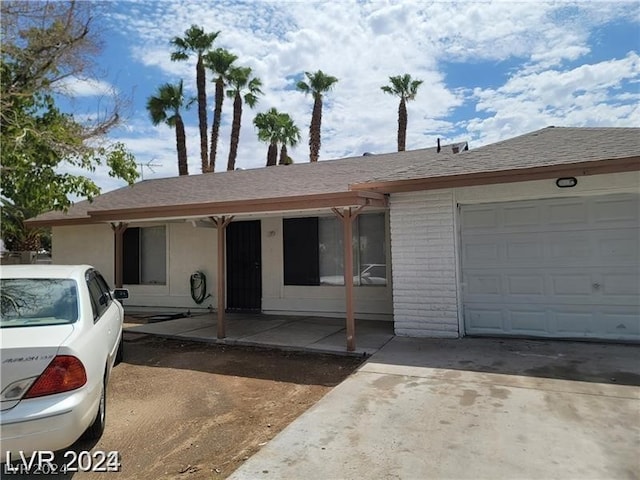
point(235, 131)
point(402, 125)
point(215, 128)
point(283, 154)
point(272, 154)
point(181, 146)
point(314, 129)
point(202, 112)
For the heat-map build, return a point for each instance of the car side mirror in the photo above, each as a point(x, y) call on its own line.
point(120, 293)
point(104, 299)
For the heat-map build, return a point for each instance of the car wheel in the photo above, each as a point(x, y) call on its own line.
point(120, 352)
point(95, 430)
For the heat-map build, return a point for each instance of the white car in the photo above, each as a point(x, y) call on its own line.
point(372, 274)
point(61, 334)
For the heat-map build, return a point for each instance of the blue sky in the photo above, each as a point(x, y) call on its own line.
point(491, 70)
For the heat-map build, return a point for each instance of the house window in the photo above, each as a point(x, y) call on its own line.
point(144, 256)
point(314, 254)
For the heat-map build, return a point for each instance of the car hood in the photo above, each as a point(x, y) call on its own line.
point(26, 352)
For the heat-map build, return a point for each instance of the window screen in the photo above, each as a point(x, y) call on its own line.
point(144, 256)
point(320, 240)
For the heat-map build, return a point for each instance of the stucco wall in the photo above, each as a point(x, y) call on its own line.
point(189, 249)
point(87, 244)
point(628, 182)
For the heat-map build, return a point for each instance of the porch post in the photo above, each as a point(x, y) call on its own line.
point(118, 231)
point(348, 216)
point(221, 224)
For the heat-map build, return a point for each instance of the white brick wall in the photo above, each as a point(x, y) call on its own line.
point(423, 264)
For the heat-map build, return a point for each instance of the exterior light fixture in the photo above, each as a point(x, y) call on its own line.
point(566, 182)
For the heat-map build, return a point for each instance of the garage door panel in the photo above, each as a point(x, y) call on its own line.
point(525, 284)
point(528, 322)
point(480, 252)
point(568, 213)
point(519, 216)
point(572, 285)
point(624, 325)
point(568, 321)
point(481, 218)
point(567, 247)
point(610, 210)
point(572, 324)
point(553, 268)
point(620, 248)
point(521, 250)
point(484, 284)
point(484, 320)
point(621, 285)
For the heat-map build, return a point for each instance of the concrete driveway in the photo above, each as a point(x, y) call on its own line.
point(470, 408)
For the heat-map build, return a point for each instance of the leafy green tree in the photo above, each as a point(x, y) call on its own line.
point(219, 61)
point(318, 84)
point(164, 107)
point(44, 45)
point(240, 82)
point(16, 235)
point(274, 128)
point(406, 88)
point(196, 41)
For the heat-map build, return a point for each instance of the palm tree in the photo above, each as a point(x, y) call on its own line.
point(164, 107)
point(404, 87)
point(275, 127)
point(289, 136)
point(197, 41)
point(268, 131)
point(318, 83)
point(239, 80)
point(219, 62)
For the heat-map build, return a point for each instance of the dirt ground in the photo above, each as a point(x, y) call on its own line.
point(179, 409)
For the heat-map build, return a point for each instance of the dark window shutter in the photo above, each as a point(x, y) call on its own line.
point(131, 256)
point(301, 263)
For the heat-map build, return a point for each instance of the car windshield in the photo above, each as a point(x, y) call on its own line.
point(32, 302)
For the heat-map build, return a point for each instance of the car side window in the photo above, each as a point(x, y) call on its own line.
point(99, 300)
point(104, 286)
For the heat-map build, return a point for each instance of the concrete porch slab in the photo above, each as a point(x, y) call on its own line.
point(312, 334)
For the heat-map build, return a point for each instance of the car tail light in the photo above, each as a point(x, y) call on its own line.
point(63, 374)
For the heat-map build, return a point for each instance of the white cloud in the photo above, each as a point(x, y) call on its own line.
point(85, 87)
point(582, 96)
point(363, 43)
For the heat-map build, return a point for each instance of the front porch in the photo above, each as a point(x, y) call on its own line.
point(296, 333)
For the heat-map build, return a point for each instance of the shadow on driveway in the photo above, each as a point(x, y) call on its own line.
point(562, 360)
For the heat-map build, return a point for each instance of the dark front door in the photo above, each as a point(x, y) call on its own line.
point(244, 261)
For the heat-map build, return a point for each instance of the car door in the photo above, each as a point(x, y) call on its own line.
point(106, 315)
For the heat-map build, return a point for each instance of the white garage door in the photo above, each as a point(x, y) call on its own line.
point(565, 268)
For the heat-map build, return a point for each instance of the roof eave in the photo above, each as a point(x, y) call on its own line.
point(578, 169)
point(59, 222)
point(302, 202)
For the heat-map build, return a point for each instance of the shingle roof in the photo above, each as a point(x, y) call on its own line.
point(547, 147)
point(543, 148)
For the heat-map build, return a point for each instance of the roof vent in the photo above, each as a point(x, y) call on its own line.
point(439, 148)
point(367, 154)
